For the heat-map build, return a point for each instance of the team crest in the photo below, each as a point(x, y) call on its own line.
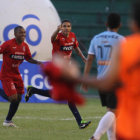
point(24, 48)
point(63, 39)
point(73, 39)
point(14, 47)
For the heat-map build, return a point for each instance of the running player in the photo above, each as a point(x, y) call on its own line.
point(63, 41)
point(14, 52)
point(101, 47)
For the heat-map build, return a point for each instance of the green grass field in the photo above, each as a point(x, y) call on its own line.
point(50, 121)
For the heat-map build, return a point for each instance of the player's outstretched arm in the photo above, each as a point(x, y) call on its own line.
point(33, 61)
point(79, 52)
point(53, 37)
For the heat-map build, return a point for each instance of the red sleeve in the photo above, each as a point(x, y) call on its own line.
point(56, 44)
point(28, 53)
point(4, 47)
point(57, 38)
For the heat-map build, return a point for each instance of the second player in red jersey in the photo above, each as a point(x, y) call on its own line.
point(64, 41)
point(64, 45)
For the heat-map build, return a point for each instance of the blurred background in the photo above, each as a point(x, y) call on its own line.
point(40, 19)
point(88, 18)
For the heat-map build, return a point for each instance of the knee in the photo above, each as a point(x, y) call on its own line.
point(19, 98)
point(15, 99)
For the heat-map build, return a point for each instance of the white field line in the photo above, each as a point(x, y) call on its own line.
point(50, 119)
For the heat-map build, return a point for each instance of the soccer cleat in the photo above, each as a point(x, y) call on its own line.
point(92, 138)
point(84, 124)
point(28, 94)
point(9, 124)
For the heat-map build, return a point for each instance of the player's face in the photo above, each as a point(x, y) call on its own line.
point(20, 35)
point(66, 28)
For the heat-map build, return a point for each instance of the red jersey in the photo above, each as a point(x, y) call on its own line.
point(13, 56)
point(64, 45)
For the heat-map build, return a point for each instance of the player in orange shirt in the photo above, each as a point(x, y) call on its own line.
point(124, 68)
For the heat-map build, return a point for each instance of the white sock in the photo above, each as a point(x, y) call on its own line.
point(111, 132)
point(105, 123)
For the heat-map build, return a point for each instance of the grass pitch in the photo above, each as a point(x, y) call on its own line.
point(50, 121)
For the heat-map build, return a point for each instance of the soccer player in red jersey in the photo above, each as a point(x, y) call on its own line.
point(14, 52)
point(63, 41)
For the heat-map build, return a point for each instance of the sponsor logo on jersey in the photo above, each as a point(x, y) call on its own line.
point(15, 65)
point(66, 48)
point(68, 44)
point(14, 47)
point(17, 57)
point(73, 39)
point(101, 62)
point(108, 36)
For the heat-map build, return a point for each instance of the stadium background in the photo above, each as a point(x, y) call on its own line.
point(48, 121)
point(88, 19)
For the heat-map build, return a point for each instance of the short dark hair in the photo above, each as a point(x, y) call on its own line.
point(66, 20)
point(136, 12)
point(113, 20)
point(17, 28)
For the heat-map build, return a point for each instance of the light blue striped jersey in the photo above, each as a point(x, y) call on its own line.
point(101, 46)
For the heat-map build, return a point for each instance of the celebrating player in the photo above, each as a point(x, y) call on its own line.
point(63, 41)
point(14, 52)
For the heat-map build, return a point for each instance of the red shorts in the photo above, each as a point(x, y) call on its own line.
point(13, 86)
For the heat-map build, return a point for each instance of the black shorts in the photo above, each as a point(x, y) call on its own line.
point(108, 99)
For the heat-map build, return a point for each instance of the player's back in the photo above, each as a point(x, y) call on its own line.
point(103, 44)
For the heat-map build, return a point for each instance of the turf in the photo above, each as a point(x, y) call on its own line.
point(50, 121)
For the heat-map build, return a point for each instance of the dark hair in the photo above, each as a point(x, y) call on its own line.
point(136, 12)
point(113, 20)
point(17, 28)
point(66, 20)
